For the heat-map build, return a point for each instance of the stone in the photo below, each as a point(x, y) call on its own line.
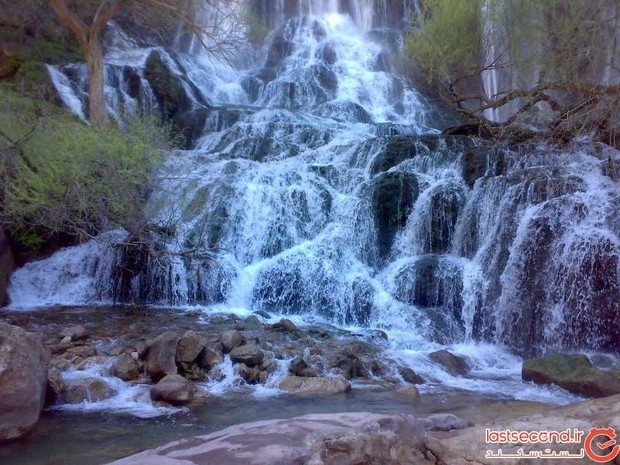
point(175, 390)
point(574, 372)
point(190, 346)
point(250, 354)
point(263, 314)
point(65, 342)
point(86, 390)
point(455, 365)
point(410, 393)
point(94, 361)
point(314, 385)
point(251, 375)
point(55, 387)
point(75, 333)
point(160, 359)
point(410, 376)
point(285, 325)
point(325, 439)
point(23, 380)
point(7, 263)
point(230, 340)
point(210, 358)
point(126, 367)
point(167, 87)
point(252, 322)
point(467, 446)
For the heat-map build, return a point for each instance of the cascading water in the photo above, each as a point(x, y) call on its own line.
point(323, 190)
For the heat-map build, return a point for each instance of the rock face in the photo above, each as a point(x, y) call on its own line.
point(575, 373)
point(468, 446)
point(314, 385)
point(23, 380)
point(335, 439)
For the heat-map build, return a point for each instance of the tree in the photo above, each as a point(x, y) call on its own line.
point(506, 60)
point(220, 35)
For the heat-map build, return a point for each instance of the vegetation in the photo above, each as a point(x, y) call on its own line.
point(221, 35)
point(60, 178)
point(553, 57)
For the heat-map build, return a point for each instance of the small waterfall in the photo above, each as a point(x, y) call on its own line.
point(321, 187)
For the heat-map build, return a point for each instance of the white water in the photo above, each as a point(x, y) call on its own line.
point(285, 196)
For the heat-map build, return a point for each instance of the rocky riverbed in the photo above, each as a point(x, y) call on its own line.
point(116, 371)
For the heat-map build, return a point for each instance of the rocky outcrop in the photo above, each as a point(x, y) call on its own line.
point(575, 373)
point(23, 380)
point(468, 446)
point(335, 439)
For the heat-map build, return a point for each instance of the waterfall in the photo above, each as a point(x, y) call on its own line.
point(321, 186)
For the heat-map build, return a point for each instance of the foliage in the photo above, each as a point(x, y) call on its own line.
point(448, 41)
point(554, 55)
point(62, 177)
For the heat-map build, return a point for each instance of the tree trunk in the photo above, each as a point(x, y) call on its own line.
point(97, 109)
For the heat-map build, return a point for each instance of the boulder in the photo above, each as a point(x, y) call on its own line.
point(314, 385)
point(176, 390)
point(575, 373)
point(325, 439)
point(455, 365)
point(55, 387)
point(171, 95)
point(126, 367)
point(230, 340)
point(250, 354)
point(252, 375)
point(410, 376)
point(410, 393)
point(160, 359)
point(23, 380)
point(190, 346)
point(210, 357)
point(74, 333)
point(86, 390)
point(285, 325)
point(252, 322)
point(299, 367)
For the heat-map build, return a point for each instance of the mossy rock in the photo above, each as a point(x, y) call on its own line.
point(167, 87)
point(9, 66)
point(393, 196)
point(573, 372)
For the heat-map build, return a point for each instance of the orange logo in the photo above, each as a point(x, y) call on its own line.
point(608, 435)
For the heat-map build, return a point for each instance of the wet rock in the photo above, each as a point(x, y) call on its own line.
point(55, 387)
point(393, 196)
point(74, 333)
point(575, 373)
point(252, 322)
point(170, 93)
point(445, 422)
point(410, 376)
point(126, 367)
point(65, 342)
point(23, 380)
point(175, 390)
point(285, 325)
point(210, 358)
point(160, 359)
point(410, 393)
point(455, 365)
point(263, 314)
point(192, 371)
point(350, 361)
point(250, 354)
point(230, 340)
point(7, 264)
point(251, 375)
point(299, 367)
point(86, 390)
point(190, 346)
point(316, 385)
point(454, 447)
point(332, 439)
point(79, 353)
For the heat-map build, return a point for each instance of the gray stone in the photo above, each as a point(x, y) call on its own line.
point(23, 380)
point(175, 390)
point(160, 359)
point(250, 354)
point(126, 367)
point(455, 365)
point(314, 385)
point(190, 346)
point(230, 340)
point(86, 390)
